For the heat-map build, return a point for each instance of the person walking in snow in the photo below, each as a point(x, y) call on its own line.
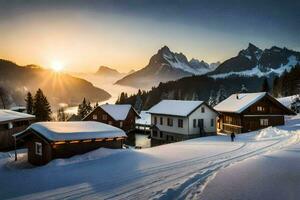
point(232, 135)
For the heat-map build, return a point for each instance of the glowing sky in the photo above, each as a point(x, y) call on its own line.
point(124, 34)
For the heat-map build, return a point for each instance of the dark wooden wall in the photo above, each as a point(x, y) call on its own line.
point(249, 119)
point(51, 151)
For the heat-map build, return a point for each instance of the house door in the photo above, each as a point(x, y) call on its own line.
point(201, 126)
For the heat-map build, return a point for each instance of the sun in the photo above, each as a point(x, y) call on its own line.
point(57, 66)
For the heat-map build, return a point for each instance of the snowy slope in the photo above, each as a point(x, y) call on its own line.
point(174, 171)
point(272, 176)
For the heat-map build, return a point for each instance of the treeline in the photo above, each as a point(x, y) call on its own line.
point(195, 88)
point(288, 84)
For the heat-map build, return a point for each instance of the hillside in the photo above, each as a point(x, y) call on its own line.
point(58, 87)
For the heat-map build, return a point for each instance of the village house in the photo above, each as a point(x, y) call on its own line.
point(50, 140)
point(246, 112)
point(143, 124)
point(176, 120)
point(122, 116)
point(12, 122)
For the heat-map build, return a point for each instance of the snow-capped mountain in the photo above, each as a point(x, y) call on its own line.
point(256, 62)
point(164, 66)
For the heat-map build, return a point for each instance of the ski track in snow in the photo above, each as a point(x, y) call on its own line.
point(183, 179)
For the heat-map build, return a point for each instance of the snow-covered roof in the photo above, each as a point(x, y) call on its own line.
point(9, 115)
point(145, 118)
point(117, 111)
point(175, 107)
point(287, 101)
point(81, 130)
point(238, 105)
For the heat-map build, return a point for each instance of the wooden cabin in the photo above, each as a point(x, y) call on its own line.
point(50, 140)
point(177, 120)
point(122, 116)
point(247, 112)
point(12, 122)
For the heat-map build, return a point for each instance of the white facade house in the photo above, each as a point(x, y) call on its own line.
point(176, 120)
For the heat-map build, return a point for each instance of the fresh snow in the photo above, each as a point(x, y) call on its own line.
point(145, 118)
point(180, 170)
point(287, 101)
point(256, 71)
point(238, 105)
point(81, 130)
point(118, 112)
point(167, 107)
point(9, 115)
point(273, 176)
point(183, 66)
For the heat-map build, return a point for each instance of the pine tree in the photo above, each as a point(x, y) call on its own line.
point(221, 95)
point(265, 86)
point(276, 87)
point(29, 103)
point(82, 109)
point(89, 108)
point(212, 98)
point(61, 115)
point(3, 98)
point(41, 107)
point(138, 102)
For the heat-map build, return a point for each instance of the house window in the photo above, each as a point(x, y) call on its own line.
point(264, 122)
point(202, 109)
point(38, 148)
point(195, 123)
point(260, 108)
point(161, 134)
point(170, 122)
point(155, 120)
point(180, 123)
point(200, 123)
point(110, 122)
point(95, 117)
point(154, 133)
point(104, 117)
point(212, 122)
point(161, 121)
point(121, 124)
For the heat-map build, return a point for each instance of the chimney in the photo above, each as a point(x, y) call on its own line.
point(237, 95)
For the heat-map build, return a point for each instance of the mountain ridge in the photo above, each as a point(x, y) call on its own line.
point(58, 87)
point(164, 66)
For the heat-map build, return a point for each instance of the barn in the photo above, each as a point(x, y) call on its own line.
point(245, 112)
point(50, 140)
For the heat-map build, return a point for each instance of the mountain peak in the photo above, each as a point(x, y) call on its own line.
point(104, 70)
point(164, 49)
point(252, 47)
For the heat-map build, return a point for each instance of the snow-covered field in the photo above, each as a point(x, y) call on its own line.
point(174, 171)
